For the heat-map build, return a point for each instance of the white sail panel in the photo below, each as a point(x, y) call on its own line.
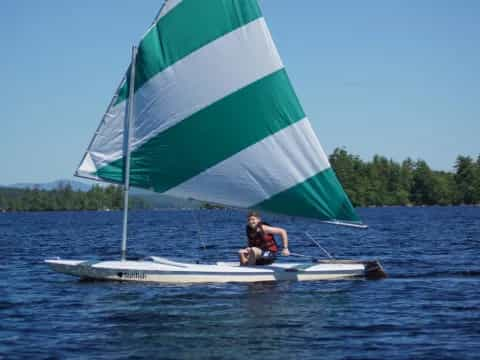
point(87, 166)
point(273, 165)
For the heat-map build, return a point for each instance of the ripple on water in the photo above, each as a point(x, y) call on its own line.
point(428, 308)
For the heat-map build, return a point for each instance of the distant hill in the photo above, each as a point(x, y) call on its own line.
point(76, 185)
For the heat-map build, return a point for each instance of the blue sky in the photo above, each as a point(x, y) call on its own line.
point(396, 78)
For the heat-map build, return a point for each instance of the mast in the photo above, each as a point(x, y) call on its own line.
point(129, 119)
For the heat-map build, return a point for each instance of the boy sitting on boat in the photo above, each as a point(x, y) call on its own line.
point(262, 248)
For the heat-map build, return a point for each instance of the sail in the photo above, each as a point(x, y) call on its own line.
point(216, 118)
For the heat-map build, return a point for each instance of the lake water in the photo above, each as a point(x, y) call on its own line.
point(429, 307)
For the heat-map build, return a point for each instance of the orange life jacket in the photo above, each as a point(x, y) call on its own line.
point(259, 238)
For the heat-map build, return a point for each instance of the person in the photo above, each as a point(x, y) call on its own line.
point(262, 248)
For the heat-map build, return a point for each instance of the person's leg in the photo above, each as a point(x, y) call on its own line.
point(254, 254)
point(266, 258)
point(243, 254)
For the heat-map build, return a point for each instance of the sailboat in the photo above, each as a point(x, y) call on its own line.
point(206, 111)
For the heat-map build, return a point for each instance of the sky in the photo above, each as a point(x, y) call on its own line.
point(395, 78)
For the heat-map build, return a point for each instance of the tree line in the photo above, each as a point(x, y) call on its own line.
point(386, 182)
point(65, 198)
point(377, 182)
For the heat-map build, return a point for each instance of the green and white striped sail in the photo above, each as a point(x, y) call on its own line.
point(217, 119)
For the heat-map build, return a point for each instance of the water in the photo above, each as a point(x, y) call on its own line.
point(429, 308)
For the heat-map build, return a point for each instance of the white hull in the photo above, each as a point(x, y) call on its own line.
point(161, 270)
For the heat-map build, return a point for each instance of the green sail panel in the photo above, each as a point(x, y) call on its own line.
point(320, 196)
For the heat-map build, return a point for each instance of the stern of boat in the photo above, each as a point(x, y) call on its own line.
point(373, 269)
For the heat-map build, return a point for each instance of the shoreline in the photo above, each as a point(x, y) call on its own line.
point(4, 211)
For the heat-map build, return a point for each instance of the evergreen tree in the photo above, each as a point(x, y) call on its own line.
point(3, 202)
point(423, 184)
point(476, 181)
point(466, 179)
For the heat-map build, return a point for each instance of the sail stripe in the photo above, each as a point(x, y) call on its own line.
point(266, 168)
point(228, 64)
point(320, 196)
point(189, 26)
point(212, 135)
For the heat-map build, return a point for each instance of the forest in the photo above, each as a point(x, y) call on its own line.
point(385, 182)
point(65, 198)
point(379, 182)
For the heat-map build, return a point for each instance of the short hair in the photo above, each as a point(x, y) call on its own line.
point(253, 214)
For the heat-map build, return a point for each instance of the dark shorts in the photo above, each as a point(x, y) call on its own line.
point(266, 258)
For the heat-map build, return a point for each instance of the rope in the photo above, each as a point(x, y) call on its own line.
point(318, 244)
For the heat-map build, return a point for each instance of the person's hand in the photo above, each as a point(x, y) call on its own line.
point(285, 252)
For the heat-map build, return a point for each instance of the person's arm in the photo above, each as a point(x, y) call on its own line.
point(283, 234)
